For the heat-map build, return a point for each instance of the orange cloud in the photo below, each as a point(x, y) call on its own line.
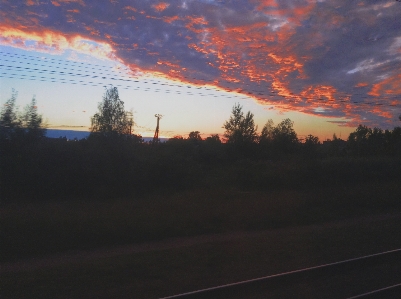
point(266, 3)
point(295, 12)
point(193, 21)
point(245, 50)
point(53, 41)
point(321, 92)
point(160, 6)
point(169, 63)
point(31, 2)
point(197, 48)
point(128, 7)
point(80, 2)
point(382, 113)
point(362, 84)
point(389, 86)
point(170, 19)
point(92, 31)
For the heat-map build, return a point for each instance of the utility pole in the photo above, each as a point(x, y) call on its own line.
point(156, 136)
point(130, 121)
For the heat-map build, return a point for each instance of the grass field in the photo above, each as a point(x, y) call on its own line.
point(161, 272)
point(37, 229)
point(246, 234)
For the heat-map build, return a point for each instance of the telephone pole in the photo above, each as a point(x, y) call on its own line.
point(156, 136)
point(130, 116)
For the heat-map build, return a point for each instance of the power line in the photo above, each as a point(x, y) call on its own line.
point(245, 282)
point(376, 291)
point(104, 84)
point(102, 73)
point(96, 67)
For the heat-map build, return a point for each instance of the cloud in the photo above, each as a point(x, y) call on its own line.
point(49, 41)
point(159, 7)
point(329, 58)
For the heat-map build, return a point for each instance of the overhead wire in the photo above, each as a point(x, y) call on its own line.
point(52, 70)
point(103, 73)
point(121, 77)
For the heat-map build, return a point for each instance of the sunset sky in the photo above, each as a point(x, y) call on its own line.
point(326, 65)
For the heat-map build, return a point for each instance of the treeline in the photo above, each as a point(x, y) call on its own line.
point(23, 126)
point(112, 162)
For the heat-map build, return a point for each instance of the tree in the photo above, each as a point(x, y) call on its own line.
point(214, 139)
point(280, 139)
point(311, 141)
point(394, 142)
point(176, 137)
point(9, 121)
point(267, 132)
point(240, 128)
point(311, 145)
point(358, 140)
point(284, 136)
point(286, 128)
point(31, 121)
point(361, 134)
point(376, 141)
point(111, 119)
point(27, 126)
point(195, 136)
point(212, 151)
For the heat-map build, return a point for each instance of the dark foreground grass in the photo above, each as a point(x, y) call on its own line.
point(162, 272)
point(43, 228)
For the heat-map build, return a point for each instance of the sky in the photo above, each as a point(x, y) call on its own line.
point(327, 65)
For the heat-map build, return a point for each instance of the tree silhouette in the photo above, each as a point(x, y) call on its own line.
point(27, 126)
point(31, 121)
point(9, 121)
point(214, 138)
point(280, 139)
point(394, 141)
point(195, 136)
point(240, 128)
point(111, 119)
point(267, 131)
point(311, 140)
point(311, 145)
point(358, 140)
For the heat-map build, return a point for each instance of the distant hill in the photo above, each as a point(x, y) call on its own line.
point(71, 134)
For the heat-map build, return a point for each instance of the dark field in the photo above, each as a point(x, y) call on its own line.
point(189, 240)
